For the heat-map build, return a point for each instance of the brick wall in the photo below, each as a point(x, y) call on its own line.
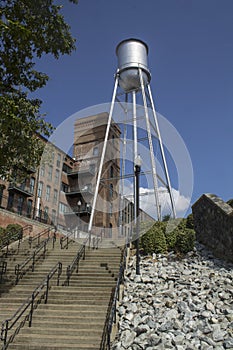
point(7, 218)
point(213, 222)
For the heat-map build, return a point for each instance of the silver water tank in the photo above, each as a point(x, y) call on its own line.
point(132, 54)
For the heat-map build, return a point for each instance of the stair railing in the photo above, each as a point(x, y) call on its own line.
point(37, 237)
point(21, 269)
point(74, 266)
point(96, 240)
point(17, 236)
point(111, 312)
point(25, 311)
point(3, 267)
point(64, 241)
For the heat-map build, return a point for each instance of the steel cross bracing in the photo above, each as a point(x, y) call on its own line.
point(148, 103)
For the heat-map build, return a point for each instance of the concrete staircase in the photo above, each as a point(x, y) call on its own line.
point(74, 316)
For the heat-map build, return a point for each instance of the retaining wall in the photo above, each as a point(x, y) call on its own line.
point(213, 223)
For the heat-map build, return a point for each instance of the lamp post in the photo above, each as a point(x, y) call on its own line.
point(137, 169)
point(79, 209)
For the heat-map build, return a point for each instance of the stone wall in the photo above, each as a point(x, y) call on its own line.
point(213, 223)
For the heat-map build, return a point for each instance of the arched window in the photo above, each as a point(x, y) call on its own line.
point(111, 171)
point(110, 230)
point(110, 191)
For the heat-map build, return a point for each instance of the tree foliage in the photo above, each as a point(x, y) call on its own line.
point(28, 30)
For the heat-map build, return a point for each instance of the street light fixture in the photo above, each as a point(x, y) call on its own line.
point(137, 170)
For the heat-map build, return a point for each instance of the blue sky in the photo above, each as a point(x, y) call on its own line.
point(191, 61)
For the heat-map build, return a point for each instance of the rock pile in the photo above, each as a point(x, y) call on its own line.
point(184, 304)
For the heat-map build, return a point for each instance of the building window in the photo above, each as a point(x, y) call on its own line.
point(10, 200)
point(62, 208)
point(92, 168)
point(111, 171)
point(20, 205)
point(56, 176)
point(47, 196)
point(110, 209)
point(55, 196)
point(58, 160)
point(110, 230)
point(113, 139)
point(42, 170)
point(50, 172)
point(46, 213)
point(32, 184)
point(64, 187)
point(53, 216)
point(110, 191)
point(95, 151)
point(29, 208)
point(40, 189)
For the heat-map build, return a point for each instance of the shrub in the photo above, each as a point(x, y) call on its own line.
point(13, 229)
point(154, 240)
point(2, 233)
point(185, 241)
point(190, 222)
point(159, 240)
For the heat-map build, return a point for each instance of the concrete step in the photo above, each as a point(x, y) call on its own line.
point(46, 346)
point(67, 312)
point(77, 332)
point(49, 339)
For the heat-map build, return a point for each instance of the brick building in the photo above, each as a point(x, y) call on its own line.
point(60, 192)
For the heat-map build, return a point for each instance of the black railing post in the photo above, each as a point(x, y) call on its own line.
point(17, 273)
point(84, 252)
point(30, 241)
point(54, 239)
point(45, 244)
point(33, 261)
point(47, 290)
point(59, 273)
point(5, 326)
point(68, 275)
point(31, 311)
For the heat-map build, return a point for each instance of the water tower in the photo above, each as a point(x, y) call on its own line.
point(132, 84)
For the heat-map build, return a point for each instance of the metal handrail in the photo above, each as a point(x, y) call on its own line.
point(19, 268)
point(31, 303)
point(95, 242)
point(39, 235)
point(67, 240)
point(111, 312)
point(75, 263)
point(3, 267)
point(17, 236)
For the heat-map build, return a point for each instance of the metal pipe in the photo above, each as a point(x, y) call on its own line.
point(162, 152)
point(150, 147)
point(137, 170)
point(103, 154)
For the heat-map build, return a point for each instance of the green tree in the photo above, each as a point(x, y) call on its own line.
point(29, 29)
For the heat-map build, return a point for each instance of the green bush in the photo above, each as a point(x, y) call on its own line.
point(13, 229)
point(161, 238)
point(2, 233)
point(154, 240)
point(190, 222)
point(185, 241)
